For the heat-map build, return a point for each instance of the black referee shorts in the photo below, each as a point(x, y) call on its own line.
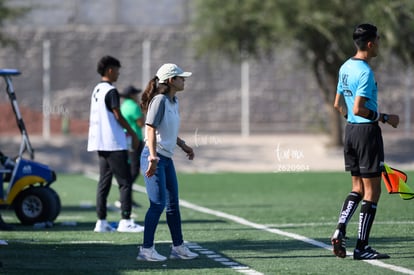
point(364, 149)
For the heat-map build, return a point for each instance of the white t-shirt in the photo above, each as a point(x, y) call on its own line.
point(163, 115)
point(105, 133)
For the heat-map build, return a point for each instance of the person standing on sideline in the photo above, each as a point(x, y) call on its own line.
point(107, 137)
point(133, 115)
point(356, 99)
point(162, 124)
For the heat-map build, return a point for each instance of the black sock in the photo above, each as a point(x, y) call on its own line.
point(348, 209)
point(126, 215)
point(366, 219)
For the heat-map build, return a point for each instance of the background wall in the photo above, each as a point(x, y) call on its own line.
point(283, 94)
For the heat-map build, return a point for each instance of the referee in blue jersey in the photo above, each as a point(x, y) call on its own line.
point(356, 99)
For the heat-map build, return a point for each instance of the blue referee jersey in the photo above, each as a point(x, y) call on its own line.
point(356, 78)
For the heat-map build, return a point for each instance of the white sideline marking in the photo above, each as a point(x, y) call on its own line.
point(298, 237)
point(314, 224)
point(88, 242)
point(210, 254)
point(238, 267)
point(286, 234)
point(224, 261)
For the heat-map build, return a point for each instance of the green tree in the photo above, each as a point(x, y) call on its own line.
point(236, 28)
point(8, 13)
point(320, 30)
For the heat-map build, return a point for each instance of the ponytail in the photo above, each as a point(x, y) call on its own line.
point(148, 94)
point(153, 88)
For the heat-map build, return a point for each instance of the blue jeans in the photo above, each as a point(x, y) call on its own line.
point(162, 191)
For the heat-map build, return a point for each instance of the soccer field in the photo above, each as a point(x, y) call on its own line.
point(275, 223)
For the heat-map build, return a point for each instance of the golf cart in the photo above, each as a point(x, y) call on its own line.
point(28, 190)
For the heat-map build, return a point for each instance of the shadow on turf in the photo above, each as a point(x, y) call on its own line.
point(397, 247)
point(298, 249)
point(82, 226)
point(94, 258)
point(74, 225)
point(97, 258)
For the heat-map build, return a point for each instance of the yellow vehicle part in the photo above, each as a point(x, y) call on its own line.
point(22, 184)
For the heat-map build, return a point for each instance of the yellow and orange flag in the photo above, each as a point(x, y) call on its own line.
point(396, 182)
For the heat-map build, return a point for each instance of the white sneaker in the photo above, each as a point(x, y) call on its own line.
point(150, 254)
point(182, 252)
point(103, 226)
point(129, 226)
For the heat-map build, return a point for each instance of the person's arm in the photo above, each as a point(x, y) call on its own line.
point(154, 117)
point(140, 122)
point(112, 103)
point(340, 105)
point(139, 117)
point(121, 120)
point(362, 111)
point(152, 146)
point(187, 149)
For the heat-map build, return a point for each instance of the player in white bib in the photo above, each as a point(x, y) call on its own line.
point(107, 137)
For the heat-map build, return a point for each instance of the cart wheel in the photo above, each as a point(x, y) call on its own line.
point(55, 204)
point(35, 204)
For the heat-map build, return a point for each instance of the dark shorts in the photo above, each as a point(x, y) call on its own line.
point(363, 150)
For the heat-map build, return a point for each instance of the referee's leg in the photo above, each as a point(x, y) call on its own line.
point(372, 189)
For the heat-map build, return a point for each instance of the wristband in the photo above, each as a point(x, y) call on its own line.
point(384, 118)
point(372, 115)
point(378, 116)
point(152, 159)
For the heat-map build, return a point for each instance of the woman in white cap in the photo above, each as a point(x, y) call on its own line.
point(162, 123)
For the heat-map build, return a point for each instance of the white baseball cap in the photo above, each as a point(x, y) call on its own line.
point(169, 70)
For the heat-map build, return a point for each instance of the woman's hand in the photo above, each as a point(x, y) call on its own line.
point(189, 151)
point(152, 166)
